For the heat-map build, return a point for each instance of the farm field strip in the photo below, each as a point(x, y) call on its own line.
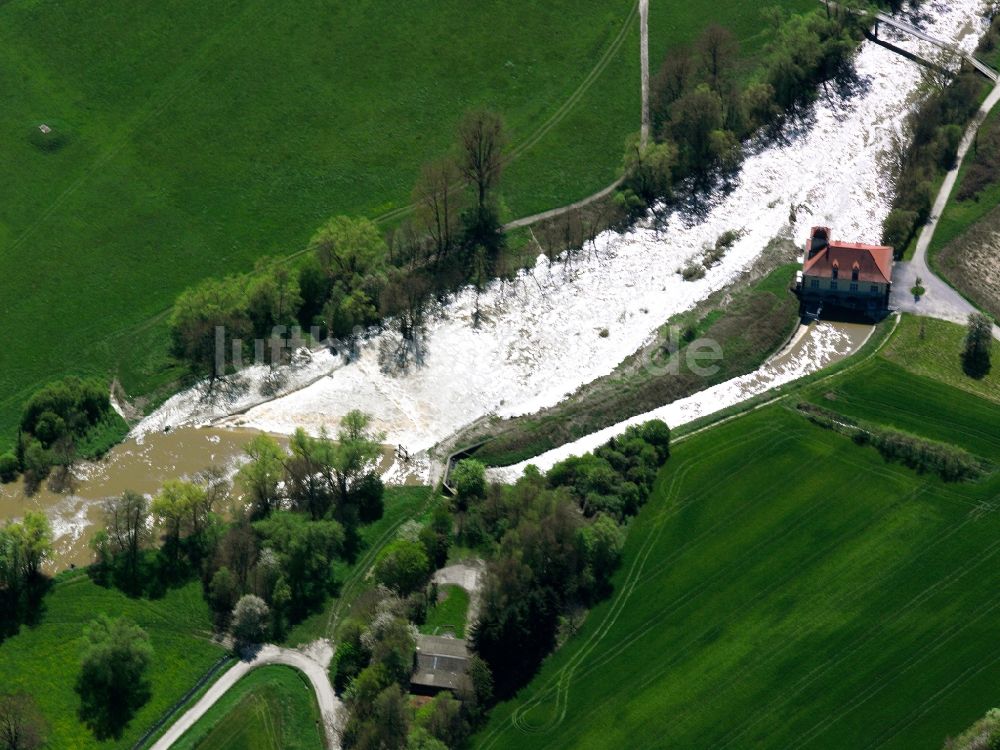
point(949, 519)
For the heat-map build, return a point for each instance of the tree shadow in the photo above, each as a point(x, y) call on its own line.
point(107, 714)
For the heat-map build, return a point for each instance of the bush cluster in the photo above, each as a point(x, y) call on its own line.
point(949, 462)
point(55, 421)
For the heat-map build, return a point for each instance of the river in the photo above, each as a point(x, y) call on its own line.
point(559, 324)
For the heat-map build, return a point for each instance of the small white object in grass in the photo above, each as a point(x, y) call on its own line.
point(45, 128)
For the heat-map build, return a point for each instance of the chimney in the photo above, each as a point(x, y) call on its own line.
point(818, 240)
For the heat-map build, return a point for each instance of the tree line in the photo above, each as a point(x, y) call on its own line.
point(704, 104)
point(934, 131)
point(60, 421)
point(352, 275)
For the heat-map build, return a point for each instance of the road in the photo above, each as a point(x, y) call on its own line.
point(312, 662)
point(939, 300)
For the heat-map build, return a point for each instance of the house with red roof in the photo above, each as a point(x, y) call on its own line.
point(845, 274)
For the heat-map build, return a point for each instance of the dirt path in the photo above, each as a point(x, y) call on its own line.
point(939, 300)
point(644, 58)
point(468, 576)
point(313, 662)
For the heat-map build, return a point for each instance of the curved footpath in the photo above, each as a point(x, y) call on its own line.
point(940, 300)
point(312, 662)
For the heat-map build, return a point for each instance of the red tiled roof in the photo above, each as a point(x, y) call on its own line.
point(874, 262)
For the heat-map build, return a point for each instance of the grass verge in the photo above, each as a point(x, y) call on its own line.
point(43, 659)
point(272, 708)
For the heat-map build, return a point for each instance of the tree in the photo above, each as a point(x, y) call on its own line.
point(34, 537)
point(978, 343)
point(648, 169)
point(273, 297)
point(403, 567)
point(222, 595)
point(717, 50)
point(307, 472)
point(391, 719)
point(358, 447)
point(439, 203)
point(21, 724)
point(261, 476)
point(251, 617)
point(114, 679)
point(469, 480)
point(9, 467)
point(198, 312)
point(670, 82)
point(482, 140)
point(306, 550)
point(126, 520)
point(183, 509)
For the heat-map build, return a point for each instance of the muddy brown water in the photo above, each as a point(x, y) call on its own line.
point(138, 465)
point(144, 465)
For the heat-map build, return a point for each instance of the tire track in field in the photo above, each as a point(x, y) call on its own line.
point(558, 683)
point(567, 676)
point(555, 118)
point(938, 643)
point(785, 696)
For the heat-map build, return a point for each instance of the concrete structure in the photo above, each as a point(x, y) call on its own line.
point(846, 275)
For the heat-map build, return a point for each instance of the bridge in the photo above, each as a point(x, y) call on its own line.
point(912, 30)
point(909, 28)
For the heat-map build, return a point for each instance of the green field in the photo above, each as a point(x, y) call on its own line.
point(43, 660)
point(786, 588)
point(272, 708)
point(448, 613)
point(196, 137)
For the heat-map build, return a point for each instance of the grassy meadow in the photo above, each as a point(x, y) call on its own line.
point(189, 139)
point(272, 708)
point(786, 588)
point(43, 660)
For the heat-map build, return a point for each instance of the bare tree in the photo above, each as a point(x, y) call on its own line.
point(670, 82)
point(438, 196)
point(717, 49)
point(21, 724)
point(482, 140)
point(127, 521)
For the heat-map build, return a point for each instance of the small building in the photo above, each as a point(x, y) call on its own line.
point(440, 664)
point(845, 274)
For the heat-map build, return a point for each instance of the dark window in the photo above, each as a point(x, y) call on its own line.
point(854, 274)
point(854, 287)
point(835, 271)
point(833, 284)
point(814, 283)
point(875, 289)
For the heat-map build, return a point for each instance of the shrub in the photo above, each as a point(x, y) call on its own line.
point(8, 467)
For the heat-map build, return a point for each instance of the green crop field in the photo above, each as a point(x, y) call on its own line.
point(188, 139)
point(786, 588)
point(43, 660)
point(272, 708)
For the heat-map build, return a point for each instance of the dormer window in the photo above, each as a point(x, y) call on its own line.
point(854, 272)
point(836, 269)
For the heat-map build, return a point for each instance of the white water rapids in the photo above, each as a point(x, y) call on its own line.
point(543, 334)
